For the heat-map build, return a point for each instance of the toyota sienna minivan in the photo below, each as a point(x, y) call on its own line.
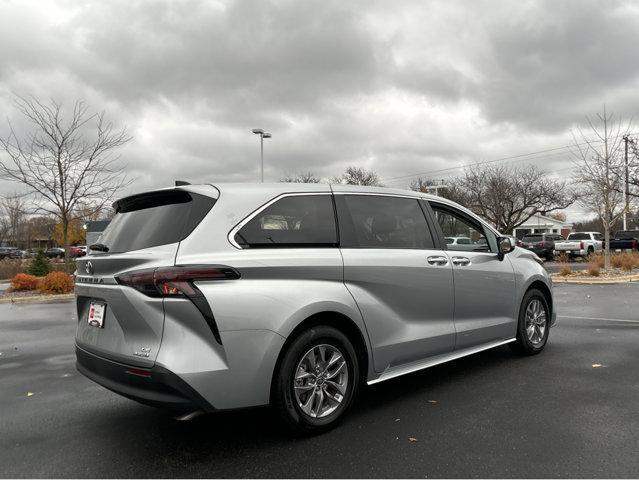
point(206, 298)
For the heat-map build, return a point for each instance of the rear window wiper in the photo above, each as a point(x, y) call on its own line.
point(99, 247)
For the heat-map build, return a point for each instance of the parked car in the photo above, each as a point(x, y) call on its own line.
point(10, 252)
point(295, 295)
point(75, 252)
point(625, 240)
point(543, 244)
point(580, 244)
point(54, 252)
point(31, 252)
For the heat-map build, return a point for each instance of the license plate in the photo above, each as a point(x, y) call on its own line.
point(96, 314)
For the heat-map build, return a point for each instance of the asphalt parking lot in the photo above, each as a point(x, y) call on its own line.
point(490, 415)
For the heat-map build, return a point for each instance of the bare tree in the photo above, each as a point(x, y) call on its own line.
point(599, 169)
point(306, 177)
point(66, 164)
point(507, 196)
point(427, 185)
point(13, 209)
point(357, 176)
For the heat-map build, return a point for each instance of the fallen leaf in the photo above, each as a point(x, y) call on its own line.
point(412, 439)
point(397, 419)
point(30, 394)
point(597, 365)
point(432, 401)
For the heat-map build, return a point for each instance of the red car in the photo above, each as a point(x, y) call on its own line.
point(76, 252)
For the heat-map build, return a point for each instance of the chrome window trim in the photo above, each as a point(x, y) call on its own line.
point(231, 235)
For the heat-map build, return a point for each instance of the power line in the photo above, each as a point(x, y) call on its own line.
point(522, 156)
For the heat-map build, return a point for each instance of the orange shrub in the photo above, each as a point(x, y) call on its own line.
point(57, 282)
point(24, 281)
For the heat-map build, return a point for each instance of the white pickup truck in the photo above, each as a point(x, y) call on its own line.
point(580, 244)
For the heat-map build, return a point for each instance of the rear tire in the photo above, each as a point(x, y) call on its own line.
point(533, 326)
point(316, 381)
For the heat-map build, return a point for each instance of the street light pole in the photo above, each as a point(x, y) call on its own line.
point(263, 135)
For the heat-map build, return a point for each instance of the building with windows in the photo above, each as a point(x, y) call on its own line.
point(541, 224)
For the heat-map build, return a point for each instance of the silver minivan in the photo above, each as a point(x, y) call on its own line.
point(216, 297)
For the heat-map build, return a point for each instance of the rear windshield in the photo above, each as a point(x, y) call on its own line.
point(579, 236)
point(627, 234)
point(153, 219)
point(532, 238)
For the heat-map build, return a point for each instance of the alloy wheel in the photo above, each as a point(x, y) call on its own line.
point(535, 321)
point(321, 381)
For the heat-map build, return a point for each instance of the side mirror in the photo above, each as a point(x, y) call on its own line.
point(504, 246)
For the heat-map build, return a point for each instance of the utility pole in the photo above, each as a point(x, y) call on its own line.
point(626, 191)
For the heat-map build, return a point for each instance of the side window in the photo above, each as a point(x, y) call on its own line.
point(377, 221)
point(461, 232)
point(599, 237)
point(294, 221)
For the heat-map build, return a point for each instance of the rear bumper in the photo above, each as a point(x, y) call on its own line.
point(154, 386)
point(575, 252)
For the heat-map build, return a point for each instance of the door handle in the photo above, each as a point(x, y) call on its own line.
point(463, 261)
point(437, 260)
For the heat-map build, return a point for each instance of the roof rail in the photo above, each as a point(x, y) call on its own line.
point(179, 183)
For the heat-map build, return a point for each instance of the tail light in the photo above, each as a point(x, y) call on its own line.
point(178, 282)
point(634, 244)
point(174, 281)
point(540, 244)
point(581, 245)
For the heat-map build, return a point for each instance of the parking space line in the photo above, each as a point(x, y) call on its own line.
point(598, 318)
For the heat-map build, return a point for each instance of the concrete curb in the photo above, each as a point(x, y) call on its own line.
point(38, 298)
point(594, 280)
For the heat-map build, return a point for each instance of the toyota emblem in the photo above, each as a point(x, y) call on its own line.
point(88, 267)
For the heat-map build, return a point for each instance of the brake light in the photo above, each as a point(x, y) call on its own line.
point(540, 244)
point(634, 244)
point(174, 281)
point(581, 245)
point(178, 282)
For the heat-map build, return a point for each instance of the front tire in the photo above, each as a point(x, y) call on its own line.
point(533, 326)
point(317, 380)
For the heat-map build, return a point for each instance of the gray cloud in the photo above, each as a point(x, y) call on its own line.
point(399, 87)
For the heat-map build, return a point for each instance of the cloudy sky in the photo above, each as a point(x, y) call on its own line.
point(403, 88)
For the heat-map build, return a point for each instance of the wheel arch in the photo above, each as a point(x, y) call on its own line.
point(340, 322)
point(545, 290)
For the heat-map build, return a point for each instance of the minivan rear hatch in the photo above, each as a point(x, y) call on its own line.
point(116, 321)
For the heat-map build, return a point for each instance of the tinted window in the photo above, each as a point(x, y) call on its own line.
point(376, 221)
point(466, 233)
point(579, 236)
point(626, 234)
point(294, 221)
point(532, 238)
point(153, 219)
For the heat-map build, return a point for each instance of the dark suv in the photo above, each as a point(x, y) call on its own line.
point(542, 244)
